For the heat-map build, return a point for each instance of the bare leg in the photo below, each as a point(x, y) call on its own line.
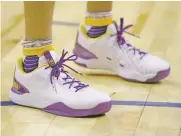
point(99, 6)
point(38, 19)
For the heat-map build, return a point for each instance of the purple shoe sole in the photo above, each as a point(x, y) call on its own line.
point(159, 76)
point(62, 110)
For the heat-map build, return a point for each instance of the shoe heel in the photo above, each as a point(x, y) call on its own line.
point(17, 91)
point(87, 58)
point(81, 52)
point(18, 88)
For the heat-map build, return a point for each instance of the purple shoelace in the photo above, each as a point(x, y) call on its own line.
point(59, 67)
point(122, 41)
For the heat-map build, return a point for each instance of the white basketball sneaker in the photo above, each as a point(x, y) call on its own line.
point(112, 52)
point(50, 88)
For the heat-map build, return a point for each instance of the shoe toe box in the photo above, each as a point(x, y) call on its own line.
point(86, 99)
point(153, 64)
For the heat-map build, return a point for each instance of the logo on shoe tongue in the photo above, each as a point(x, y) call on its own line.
point(49, 58)
point(51, 62)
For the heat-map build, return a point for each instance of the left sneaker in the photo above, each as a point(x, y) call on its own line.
point(51, 88)
point(112, 52)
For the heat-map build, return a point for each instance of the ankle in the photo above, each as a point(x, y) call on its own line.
point(97, 22)
point(32, 50)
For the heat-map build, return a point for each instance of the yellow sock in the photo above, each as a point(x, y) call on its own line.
point(37, 47)
point(98, 18)
point(32, 50)
point(38, 50)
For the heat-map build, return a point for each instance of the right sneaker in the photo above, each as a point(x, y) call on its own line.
point(50, 88)
point(112, 52)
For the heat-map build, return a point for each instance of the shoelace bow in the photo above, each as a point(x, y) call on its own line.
point(59, 67)
point(122, 41)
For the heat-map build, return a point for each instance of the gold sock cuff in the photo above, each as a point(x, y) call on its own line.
point(98, 21)
point(37, 50)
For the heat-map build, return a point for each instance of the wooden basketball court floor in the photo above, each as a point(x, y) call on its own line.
point(138, 109)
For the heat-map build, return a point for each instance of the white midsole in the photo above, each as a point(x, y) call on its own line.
point(125, 73)
point(27, 99)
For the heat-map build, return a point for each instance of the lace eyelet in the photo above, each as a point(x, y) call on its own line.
point(59, 68)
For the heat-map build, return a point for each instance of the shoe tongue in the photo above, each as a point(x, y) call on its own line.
point(48, 57)
point(112, 28)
